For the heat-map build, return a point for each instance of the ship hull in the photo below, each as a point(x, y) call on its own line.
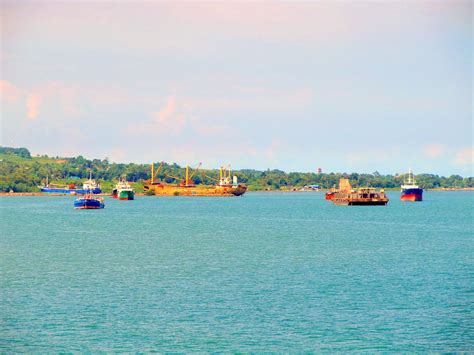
point(69, 191)
point(126, 195)
point(367, 203)
point(412, 195)
point(88, 204)
point(360, 203)
point(236, 190)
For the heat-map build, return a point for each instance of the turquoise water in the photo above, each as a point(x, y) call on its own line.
point(264, 272)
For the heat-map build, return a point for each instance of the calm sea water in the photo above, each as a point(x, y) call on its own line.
point(264, 272)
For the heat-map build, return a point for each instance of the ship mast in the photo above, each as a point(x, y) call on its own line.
point(410, 180)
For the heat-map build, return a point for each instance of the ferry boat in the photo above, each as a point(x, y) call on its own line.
point(364, 196)
point(88, 186)
point(123, 191)
point(89, 202)
point(409, 190)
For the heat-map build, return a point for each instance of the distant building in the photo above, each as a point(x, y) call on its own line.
point(311, 188)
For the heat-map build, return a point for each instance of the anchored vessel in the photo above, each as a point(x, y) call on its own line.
point(89, 202)
point(123, 191)
point(364, 196)
point(88, 186)
point(225, 186)
point(411, 191)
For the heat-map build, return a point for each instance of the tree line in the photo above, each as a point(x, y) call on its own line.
point(20, 172)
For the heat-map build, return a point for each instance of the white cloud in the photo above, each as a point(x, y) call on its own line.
point(33, 104)
point(434, 150)
point(9, 92)
point(465, 156)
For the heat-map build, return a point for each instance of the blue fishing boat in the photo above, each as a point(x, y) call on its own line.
point(89, 202)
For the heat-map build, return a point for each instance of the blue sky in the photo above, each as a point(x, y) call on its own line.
point(345, 86)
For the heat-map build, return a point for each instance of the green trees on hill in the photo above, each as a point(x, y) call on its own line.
point(20, 172)
point(21, 152)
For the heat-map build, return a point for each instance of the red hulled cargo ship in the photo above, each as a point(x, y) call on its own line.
point(411, 191)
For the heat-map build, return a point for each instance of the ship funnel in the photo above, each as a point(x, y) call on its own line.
point(234, 180)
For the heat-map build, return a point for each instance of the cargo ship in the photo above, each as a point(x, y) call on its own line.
point(409, 190)
point(88, 186)
point(225, 186)
point(123, 191)
point(364, 196)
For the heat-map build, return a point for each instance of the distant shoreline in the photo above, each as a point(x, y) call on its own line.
point(43, 194)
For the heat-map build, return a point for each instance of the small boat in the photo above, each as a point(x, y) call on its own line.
point(330, 194)
point(89, 202)
point(123, 191)
point(364, 196)
point(410, 191)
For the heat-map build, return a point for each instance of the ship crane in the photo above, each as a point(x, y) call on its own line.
point(224, 174)
point(187, 180)
point(182, 182)
point(204, 175)
point(153, 173)
point(195, 170)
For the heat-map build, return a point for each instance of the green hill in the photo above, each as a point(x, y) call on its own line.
point(21, 172)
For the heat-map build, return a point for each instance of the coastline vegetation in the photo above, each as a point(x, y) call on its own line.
point(21, 172)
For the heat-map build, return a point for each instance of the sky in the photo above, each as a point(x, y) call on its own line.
point(345, 86)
